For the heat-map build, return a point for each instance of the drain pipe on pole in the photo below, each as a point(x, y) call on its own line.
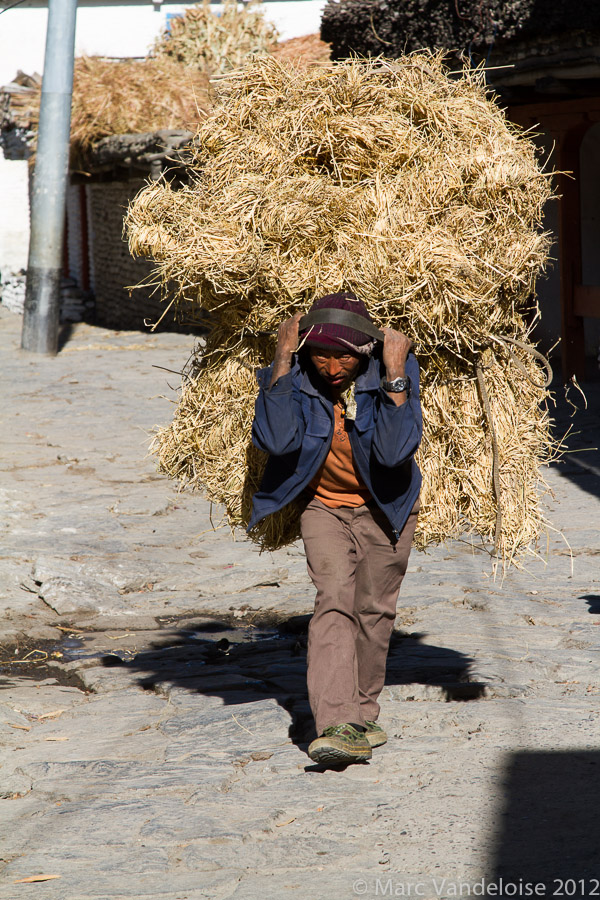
point(44, 268)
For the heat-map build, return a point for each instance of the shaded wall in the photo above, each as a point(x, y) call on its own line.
point(77, 255)
point(590, 227)
point(548, 329)
point(114, 269)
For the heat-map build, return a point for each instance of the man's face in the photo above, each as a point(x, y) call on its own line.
point(337, 368)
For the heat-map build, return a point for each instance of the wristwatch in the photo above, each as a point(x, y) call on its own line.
point(397, 385)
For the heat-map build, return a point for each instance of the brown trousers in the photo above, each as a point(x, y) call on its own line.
point(357, 569)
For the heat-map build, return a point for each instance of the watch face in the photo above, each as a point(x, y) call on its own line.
point(396, 386)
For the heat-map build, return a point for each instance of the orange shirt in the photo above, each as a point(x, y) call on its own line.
point(338, 481)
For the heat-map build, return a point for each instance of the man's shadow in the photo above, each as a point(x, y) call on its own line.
point(202, 659)
point(593, 602)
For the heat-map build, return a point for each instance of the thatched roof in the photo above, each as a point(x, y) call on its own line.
point(397, 26)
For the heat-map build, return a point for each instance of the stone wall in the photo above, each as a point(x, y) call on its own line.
point(75, 248)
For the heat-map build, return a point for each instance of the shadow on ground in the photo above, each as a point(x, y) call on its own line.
point(196, 323)
point(212, 660)
point(548, 832)
point(593, 602)
point(577, 423)
point(64, 334)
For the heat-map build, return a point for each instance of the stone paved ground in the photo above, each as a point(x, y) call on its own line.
point(162, 755)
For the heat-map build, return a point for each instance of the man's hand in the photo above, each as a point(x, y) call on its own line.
point(287, 343)
point(396, 347)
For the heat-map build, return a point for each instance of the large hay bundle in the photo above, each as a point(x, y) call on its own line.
point(398, 182)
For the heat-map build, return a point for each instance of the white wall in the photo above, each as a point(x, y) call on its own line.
point(295, 18)
point(14, 215)
point(121, 30)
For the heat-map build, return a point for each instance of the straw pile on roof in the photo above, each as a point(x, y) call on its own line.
point(395, 181)
point(169, 89)
point(216, 44)
point(130, 96)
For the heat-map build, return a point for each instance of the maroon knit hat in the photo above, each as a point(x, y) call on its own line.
point(340, 337)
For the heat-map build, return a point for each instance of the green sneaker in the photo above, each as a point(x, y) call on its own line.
point(340, 744)
point(375, 734)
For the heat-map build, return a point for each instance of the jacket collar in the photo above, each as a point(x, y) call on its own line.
point(371, 377)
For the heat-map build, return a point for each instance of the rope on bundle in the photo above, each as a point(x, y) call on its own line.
point(528, 349)
point(485, 400)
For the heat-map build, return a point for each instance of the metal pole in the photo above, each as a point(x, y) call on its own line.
point(42, 294)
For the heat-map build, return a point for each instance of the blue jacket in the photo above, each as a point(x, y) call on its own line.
point(293, 423)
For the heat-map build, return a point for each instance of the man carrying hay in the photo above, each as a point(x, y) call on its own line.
point(341, 421)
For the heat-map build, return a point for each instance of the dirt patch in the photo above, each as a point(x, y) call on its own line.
point(28, 658)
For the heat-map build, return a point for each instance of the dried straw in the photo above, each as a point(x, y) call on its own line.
point(208, 443)
point(307, 50)
point(398, 182)
point(130, 96)
point(199, 38)
point(168, 89)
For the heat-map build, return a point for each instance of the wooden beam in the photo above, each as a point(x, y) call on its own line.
point(566, 112)
point(586, 300)
point(569, 236)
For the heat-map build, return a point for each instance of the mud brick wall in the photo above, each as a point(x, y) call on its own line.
point(114, 269)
